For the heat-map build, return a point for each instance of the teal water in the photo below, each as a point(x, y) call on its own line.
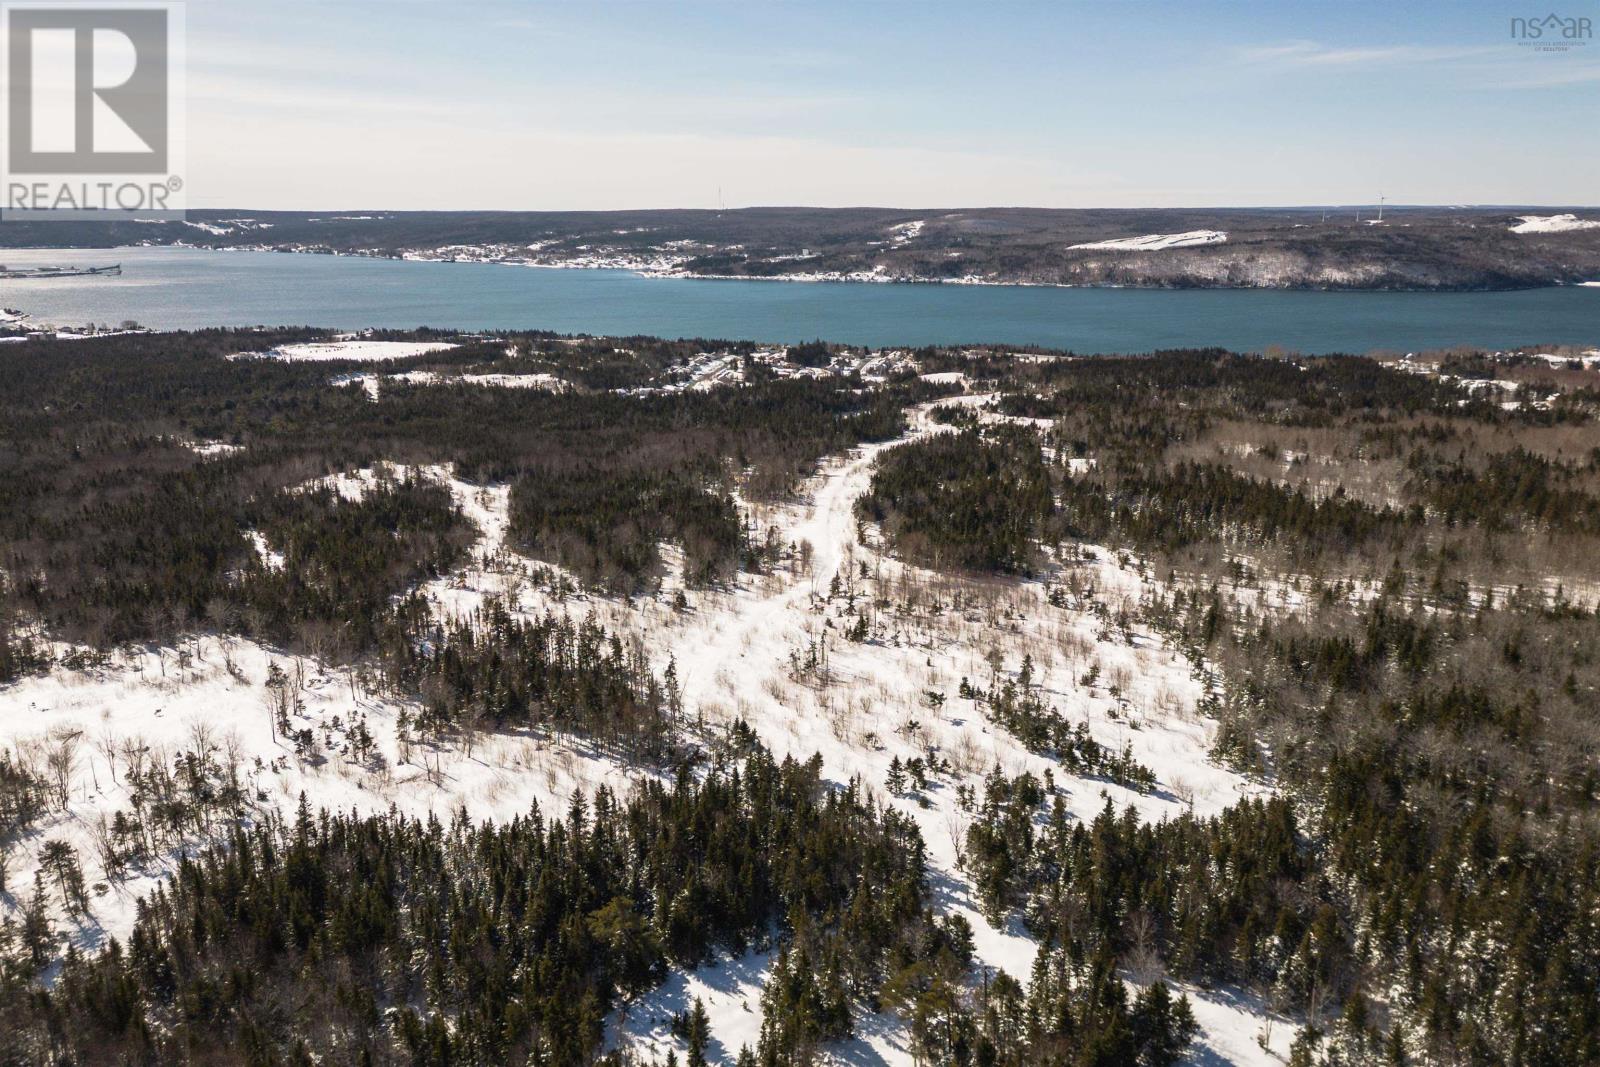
point(167, 288)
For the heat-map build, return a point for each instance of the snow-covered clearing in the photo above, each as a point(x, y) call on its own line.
point(734, 649)
point(1553, 223)
point(1153, 242)
point(734, 652)
point(906, 231)
point(351, 349)
point(767, 648)
point(208, 697)
point(213, 449)
point(730, 989)
point(547, 382)
point(374, 383)
point(271, 558)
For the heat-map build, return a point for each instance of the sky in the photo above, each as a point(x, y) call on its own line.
point(439, 104)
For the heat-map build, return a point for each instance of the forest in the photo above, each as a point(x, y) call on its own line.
point(963, 501)
point(327, 936)
point(115, 529)
point(1425, 886)
point(1374, 576)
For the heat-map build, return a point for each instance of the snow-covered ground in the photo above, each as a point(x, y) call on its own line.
point(353, 348)
point(207, 696)
point(733, 654)
point(538, 254)
point(1156, 241)
point(213, 449)
point(373, 383)
point(14, 320)
point(711, 370)
point(906, 231)
point(1553, 224)
point(736, 651)
point(732, 650)
point(730, 989)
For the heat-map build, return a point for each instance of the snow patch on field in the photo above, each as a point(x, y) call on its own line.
point(1156, 241)
point(906, 231)
point(1553, 224)
point(213, 449)
point(373, 383)
point(546, 382)
point(352, 349)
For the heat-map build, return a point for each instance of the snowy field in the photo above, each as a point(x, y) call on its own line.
point(735, 649)
point(1153, 242)
point(358, 349)
point(1553, 224)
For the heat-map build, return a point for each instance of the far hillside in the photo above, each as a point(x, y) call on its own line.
point(1349, 247)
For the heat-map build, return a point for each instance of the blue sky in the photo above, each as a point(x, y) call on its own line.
point(523, 105)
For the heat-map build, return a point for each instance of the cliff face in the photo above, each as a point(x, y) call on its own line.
point(1300, 248)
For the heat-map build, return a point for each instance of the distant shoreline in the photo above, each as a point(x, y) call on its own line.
point(855, 278)
point(1412, 249)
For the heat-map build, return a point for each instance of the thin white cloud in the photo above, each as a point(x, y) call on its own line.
point(245, 99)
point(1314, 54)
point(1480, 67)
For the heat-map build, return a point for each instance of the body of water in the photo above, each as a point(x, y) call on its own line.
point(170, 288)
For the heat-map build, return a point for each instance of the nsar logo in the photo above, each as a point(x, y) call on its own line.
point(1552, 33)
